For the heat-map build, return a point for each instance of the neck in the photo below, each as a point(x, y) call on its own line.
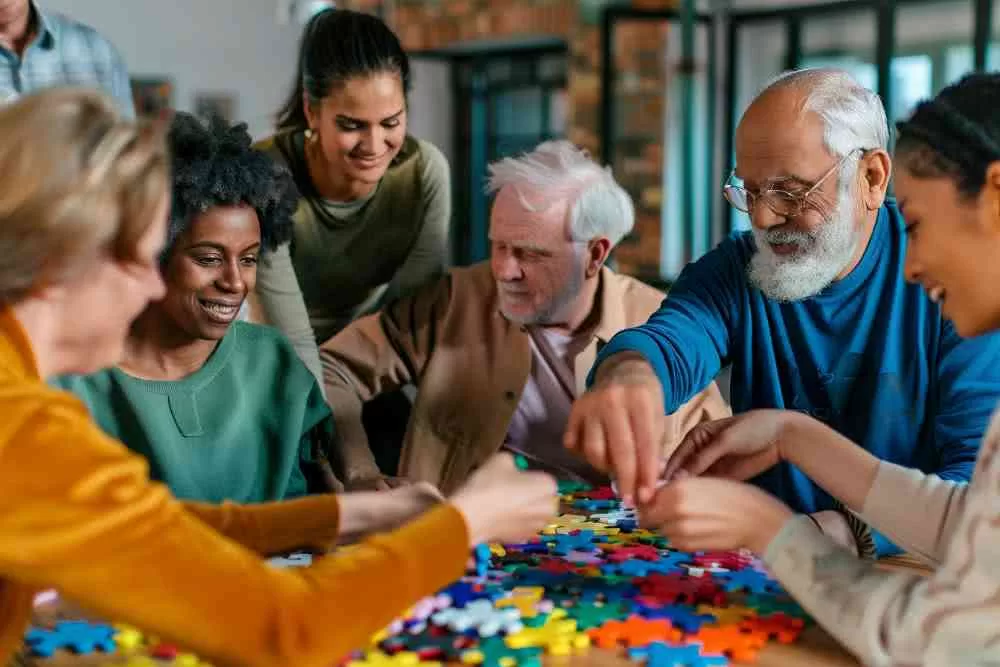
point(40, 322)
point(583, 312)
point(329, 184)
point(158, 350)
point(864, 238)
point(17, 31)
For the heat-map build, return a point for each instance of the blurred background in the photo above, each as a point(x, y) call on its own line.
point(653, 89)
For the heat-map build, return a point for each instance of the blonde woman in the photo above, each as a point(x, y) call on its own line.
point(83, 211)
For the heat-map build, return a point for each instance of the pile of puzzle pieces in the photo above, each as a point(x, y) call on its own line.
point(591, 579)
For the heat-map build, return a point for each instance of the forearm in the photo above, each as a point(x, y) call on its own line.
point(311, 522)
point(840, 467)
point(351, 456)
point(278, 301)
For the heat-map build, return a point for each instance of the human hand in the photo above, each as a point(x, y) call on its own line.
point(738, 447)
point(711, 514)
point(503, 504)
point(376, 483)
point(617, 426)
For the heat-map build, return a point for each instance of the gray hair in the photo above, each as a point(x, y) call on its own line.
point(599, 206)
point(853, 116)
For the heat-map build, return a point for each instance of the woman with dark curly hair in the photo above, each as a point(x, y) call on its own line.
point(948, 186)
point(223, 409)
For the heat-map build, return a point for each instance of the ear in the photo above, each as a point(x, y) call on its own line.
point(597, 253)
point(990, 196)
point(874, 172)
point(312, 117)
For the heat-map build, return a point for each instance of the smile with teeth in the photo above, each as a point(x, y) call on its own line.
point(220, 310)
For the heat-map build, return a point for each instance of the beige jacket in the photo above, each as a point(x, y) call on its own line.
point(470, 365)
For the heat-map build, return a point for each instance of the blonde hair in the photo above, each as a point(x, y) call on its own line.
point(76, 182)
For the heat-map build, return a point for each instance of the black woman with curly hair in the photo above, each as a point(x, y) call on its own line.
point(223, 409)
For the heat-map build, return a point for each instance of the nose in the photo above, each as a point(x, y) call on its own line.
point(762, 217)
point(231, 279)
point(912, 267)
point(505, 265)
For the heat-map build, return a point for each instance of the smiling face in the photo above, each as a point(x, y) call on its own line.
point(952, 245)
point(361, 126)
point(211, 269)
point(781, 147)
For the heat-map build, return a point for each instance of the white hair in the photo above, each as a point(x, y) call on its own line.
point(853, 116)
point(599, 206)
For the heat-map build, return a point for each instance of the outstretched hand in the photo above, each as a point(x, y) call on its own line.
point(738, 447)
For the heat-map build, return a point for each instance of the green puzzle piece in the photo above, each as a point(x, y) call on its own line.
point(589, 615)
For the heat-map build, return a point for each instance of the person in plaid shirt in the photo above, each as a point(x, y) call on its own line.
point(41, 49)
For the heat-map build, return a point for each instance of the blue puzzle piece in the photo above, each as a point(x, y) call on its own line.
point(482, 555)
point(582, 541)
point(291, 560)
point(77, 636)
point(588, 505)
point(682, 617)
point(749, 580)
point(463, 592)
point(658, 654)
point(528, 577)
point(639, 568)
point(528, 547)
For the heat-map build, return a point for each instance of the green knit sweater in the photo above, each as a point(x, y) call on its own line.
point(240, 428)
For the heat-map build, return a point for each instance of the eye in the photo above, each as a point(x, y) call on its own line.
point(208, 260)
point(348, 125)
point(249, 260)
point(391, 123)
point(911, 229)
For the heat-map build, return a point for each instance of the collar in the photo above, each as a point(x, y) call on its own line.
point(16, 355)
point(611, 297)
point(46, 28)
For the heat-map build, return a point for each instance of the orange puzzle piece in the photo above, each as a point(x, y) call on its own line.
point(634, 631)
point(731, 641)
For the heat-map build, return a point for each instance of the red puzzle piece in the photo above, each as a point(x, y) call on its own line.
point(731, 560)
point(731, 641)
point(634, 631)
point(786, 629)
point(603, 493)
point(680, 589)
point(639, 552)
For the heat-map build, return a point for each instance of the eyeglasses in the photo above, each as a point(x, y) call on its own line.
point(783, 203)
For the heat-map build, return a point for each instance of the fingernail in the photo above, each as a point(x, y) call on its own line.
point(627, 500)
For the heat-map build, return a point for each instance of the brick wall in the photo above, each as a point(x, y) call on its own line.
point(639, 56)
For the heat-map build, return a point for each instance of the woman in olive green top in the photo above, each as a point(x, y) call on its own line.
point(222, 409)
point(374, 216)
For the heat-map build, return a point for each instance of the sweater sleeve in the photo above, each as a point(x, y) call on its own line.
point(688, 338)
point(925, 522)
point(97, 529)
point(900, 618)
point(283, 306)
point(428, 258)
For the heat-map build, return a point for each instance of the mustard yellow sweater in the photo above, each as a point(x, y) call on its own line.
point(79, 513)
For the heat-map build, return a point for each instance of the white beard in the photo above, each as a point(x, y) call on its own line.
point(823, 254)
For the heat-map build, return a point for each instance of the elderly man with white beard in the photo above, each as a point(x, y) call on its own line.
point(811, 310)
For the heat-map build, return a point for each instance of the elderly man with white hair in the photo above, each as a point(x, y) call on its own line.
point(498, 351)
point(811, 310)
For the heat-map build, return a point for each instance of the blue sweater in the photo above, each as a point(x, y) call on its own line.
point(870, 356)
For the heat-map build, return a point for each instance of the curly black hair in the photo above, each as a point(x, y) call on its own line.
point(956, 134)
point(215, 165)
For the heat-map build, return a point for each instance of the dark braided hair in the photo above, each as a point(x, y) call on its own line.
point(214, 165)
point(956, 134)
point(337, 45)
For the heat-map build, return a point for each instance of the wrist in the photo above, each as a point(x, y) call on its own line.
point(629, 367)
point(796, 429)
point(769, 528)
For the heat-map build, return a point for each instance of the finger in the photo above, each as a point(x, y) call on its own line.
point(688, 445)
point(595, 448)
point(572, 438)
point(646, 421)
point(621, 451)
